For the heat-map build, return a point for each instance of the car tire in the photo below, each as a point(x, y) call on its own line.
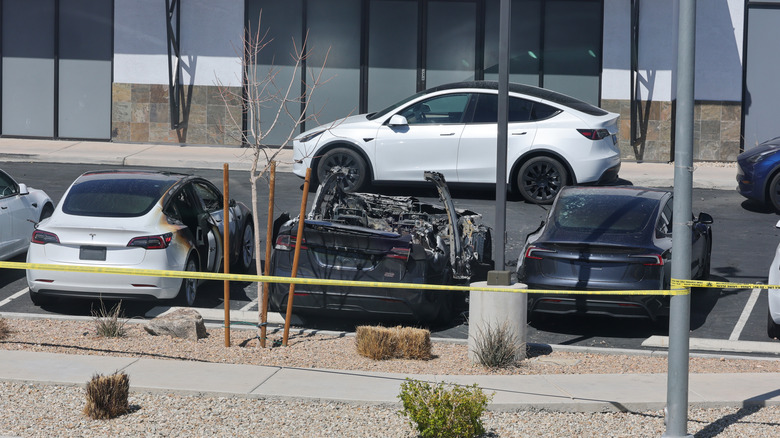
point(774, 192)
point(47, 211)
point(345, 158)
point(772, 328)
point(540, 179)
point(246, 250)
point(189, 286)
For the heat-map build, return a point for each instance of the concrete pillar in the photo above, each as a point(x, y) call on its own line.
point(491, 309)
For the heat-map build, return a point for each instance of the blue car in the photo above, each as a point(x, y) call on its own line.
point(758, 173)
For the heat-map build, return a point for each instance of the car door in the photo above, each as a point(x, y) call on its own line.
point(15, 230)
point(210, 222)
point(477, 150)
point(428, 140)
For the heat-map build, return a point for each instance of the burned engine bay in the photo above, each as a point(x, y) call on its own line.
point(441, 231)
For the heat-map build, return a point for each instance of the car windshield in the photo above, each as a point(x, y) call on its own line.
point(599, 213)
point(392, 107)
point(114, 197)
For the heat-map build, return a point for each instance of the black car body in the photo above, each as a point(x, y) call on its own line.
point(608, 238)
point(379, 238)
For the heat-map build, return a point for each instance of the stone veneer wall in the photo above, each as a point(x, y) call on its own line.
point(141, 113)
point(716, 130)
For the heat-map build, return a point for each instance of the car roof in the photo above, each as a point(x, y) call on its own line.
point(541, 93)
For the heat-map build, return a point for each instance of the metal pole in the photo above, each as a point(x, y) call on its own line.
point(298, 244)
point(226, 246)
point(267, 266)
point(679, 318)
point(503, 117)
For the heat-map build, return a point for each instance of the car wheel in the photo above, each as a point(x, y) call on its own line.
point(540, 179)
point(343, 157)
point(774, 192)
point(40, 300)
point(772, 328)
point(246, 252)
point(46, 212)
point(189, 286)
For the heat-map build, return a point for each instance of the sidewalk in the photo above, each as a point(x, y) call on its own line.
point(706, 176)
point(557, 392)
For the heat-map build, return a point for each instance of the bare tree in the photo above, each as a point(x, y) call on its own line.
point(261, 90)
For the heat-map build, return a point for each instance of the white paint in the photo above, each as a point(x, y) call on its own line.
point(14, 296)
point(751, 303)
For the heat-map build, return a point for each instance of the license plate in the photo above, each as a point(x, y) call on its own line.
point(92, 253)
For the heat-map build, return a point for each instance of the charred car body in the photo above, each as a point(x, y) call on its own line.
point(379, 238)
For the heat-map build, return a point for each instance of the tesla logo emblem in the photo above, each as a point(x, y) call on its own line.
point(92, 235)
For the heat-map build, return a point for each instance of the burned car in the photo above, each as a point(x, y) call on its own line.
point(378, 238)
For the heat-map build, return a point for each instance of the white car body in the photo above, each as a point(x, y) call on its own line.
point(21, 208)
point(181, 224)
point(465, 151)
point(773, 322)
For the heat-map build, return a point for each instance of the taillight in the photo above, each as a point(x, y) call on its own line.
point(152, 242)
point(399, 253)
point(652, 259)
point(44, 237)
point(594, 134)
point(286, 242)
point(534, 252)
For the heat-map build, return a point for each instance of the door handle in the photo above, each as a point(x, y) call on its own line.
point(447, 134)
point(520, 133)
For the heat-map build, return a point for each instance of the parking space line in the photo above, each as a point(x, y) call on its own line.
point(14, 296)
point(249, 306)
point(751, 302)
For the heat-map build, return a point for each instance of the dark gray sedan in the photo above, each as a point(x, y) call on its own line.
point(608, 238)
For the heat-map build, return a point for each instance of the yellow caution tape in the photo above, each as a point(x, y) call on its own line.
point(680, 290)
point(722, 284)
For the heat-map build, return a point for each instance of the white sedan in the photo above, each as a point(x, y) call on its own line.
point(136, 220)
point(21, 208)
point(773, 321)
point(553, 140)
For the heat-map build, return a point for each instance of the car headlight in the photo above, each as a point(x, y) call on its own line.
point(310, 136)
point(760, 157)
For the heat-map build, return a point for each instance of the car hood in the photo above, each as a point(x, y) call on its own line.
point(767, 146)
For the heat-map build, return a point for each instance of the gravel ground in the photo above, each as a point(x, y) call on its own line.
point(53, 411)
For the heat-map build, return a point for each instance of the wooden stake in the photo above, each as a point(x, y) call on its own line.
point(298, 244)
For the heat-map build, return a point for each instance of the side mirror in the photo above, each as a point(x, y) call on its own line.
point(704, 218)
point(398, 120)
point(23, 189)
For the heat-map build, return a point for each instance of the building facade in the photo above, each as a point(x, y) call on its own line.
point(160, 70)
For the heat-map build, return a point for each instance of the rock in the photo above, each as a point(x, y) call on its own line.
point(181, 323)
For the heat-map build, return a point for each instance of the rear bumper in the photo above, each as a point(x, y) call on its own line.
point(622, 306)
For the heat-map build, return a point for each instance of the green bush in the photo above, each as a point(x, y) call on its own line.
point(439, 412)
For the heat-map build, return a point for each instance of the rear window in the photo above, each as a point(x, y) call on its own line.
point(604, 214)
point(123, 197)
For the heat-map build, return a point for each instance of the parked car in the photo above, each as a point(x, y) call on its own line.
point(553, 140)
point(21, 208)
point(773, 319)
point(758, 173)
point(139, 220)
point(608, 238)
point(372, 237)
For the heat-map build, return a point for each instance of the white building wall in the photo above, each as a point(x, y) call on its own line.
point(210, 42)
point(719, 32)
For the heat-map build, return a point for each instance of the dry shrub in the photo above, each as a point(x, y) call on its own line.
point(376, 343)
point(4, 329)
point(413, 343)
point(497, 346)
point(381, 343)
point(107, 396)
